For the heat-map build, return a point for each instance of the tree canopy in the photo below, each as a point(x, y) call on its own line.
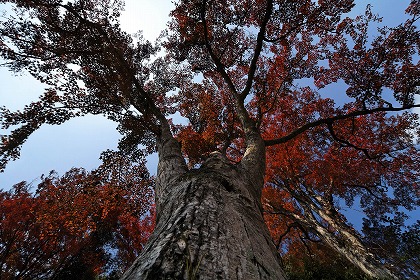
point(245, 74)
point(77, 226)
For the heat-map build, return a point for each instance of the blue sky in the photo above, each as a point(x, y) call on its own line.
point(79, 142)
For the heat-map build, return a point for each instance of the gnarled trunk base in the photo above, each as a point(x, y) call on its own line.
point(209, 226)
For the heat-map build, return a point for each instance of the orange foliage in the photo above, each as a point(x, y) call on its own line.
point(69, 224)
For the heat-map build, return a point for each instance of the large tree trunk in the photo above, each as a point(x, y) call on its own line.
point(209, 223)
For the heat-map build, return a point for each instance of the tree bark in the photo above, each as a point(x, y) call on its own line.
point(209, 222)
point(348, 244)
point(334, 232)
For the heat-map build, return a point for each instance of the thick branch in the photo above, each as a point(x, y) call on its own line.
point(151, 108)
point(345, 142)
point(254, 158)
point(319, 122)
point(216, 60)
point(257, 51)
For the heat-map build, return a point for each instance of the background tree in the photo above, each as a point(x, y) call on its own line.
point(77, 226)
point(233, 70)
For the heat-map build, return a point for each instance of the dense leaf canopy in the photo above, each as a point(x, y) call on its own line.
point(79, 225)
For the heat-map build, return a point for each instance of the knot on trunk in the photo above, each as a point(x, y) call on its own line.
point(216, 160)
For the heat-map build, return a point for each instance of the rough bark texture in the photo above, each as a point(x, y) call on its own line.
point(348, 244)
point(335, 232)
point(209, 224)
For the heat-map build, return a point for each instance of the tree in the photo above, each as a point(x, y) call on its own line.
point(233, 70)
point(64, 230)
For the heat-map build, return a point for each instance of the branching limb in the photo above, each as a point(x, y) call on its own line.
point(219, 65)
point(319, 122)
point(347, 143)
point(257, 51)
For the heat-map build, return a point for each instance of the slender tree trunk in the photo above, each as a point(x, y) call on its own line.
point(209, 223)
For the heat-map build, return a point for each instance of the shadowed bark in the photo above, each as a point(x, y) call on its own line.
point(209, 222)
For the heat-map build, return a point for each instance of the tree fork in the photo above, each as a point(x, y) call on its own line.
point(209, 225)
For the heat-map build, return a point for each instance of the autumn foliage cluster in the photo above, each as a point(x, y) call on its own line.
point(77, 226)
